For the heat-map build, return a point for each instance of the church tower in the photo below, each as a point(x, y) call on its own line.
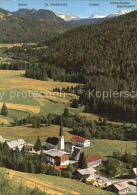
point(61, 137)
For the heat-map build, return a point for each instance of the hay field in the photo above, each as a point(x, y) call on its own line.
point(34, 96)
point(30, 134)
point(52, 185)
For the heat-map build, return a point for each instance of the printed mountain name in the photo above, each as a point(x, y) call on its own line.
point(124, 4)
point(22, 4)
point(58, 4)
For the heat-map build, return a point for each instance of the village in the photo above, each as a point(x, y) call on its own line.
point(60, 155)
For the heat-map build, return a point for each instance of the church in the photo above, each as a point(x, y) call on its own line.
point(56, 142)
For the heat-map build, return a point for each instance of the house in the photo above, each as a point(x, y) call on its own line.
point(120, 187)
point(16, 143)
point(54, 142)
point(93, 161)
point(56, 157)
point(2, 140)
point(88, 173)
point(80, 141)
point(133, 173)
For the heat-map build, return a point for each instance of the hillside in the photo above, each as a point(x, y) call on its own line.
point(22, 29)
point(53, 184)
point(103, 56)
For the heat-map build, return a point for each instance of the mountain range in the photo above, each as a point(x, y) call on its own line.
point(70, 17)
point(31, 25)
point(69, 20)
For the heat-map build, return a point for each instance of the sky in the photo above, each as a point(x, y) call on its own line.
point(81, 8)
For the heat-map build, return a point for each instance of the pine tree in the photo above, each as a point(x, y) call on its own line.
point(38, 145)
point(4, 110)
point(66, 112)
point(82, 161)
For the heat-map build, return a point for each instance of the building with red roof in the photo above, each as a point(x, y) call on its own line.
point(80, 141)
point(93, 161)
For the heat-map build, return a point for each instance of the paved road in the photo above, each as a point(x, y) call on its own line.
point(105, 179)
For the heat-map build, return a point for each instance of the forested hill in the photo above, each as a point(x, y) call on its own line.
point(103, 48)
point(42, 14)
point(103, 56)
point(22, 29)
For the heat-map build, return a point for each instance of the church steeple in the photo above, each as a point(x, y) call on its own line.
point(61, 137)
point(61, 129)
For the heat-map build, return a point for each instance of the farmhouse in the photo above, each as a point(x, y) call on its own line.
point(93, 161)
point(16, 143)
point(56, 157)
point(54, 142)
point(120, 188)
point(80, 141)
point(88, 173)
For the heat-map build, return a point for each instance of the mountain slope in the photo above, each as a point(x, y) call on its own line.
point(100, 45)
point(103, 56)
point(22, 29)
point(41, 14)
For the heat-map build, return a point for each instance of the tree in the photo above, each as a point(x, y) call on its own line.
point(4, 110)
point(82, 161)
point(74, 103)
point(113, 167)
point(38, 145)
point(105, 121)
point(66, 112)
point(84, 179)
point(70, 168)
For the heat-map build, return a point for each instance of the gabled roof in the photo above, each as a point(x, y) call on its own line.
point(121, 185)
point(54, 153)
point(93, 158)
point(78, 138)
point(16, 143)
point(52, 140)
point(87, 171)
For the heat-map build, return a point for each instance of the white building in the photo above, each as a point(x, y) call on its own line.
point(88, 173)
point(16, 143)
point(80, 141)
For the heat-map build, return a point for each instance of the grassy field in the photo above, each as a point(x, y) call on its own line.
point(36, 97)
point(30, 134)
point(53, 185)
point(106, 147)
point(32, 96)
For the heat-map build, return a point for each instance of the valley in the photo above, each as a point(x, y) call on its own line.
point(54, 135)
